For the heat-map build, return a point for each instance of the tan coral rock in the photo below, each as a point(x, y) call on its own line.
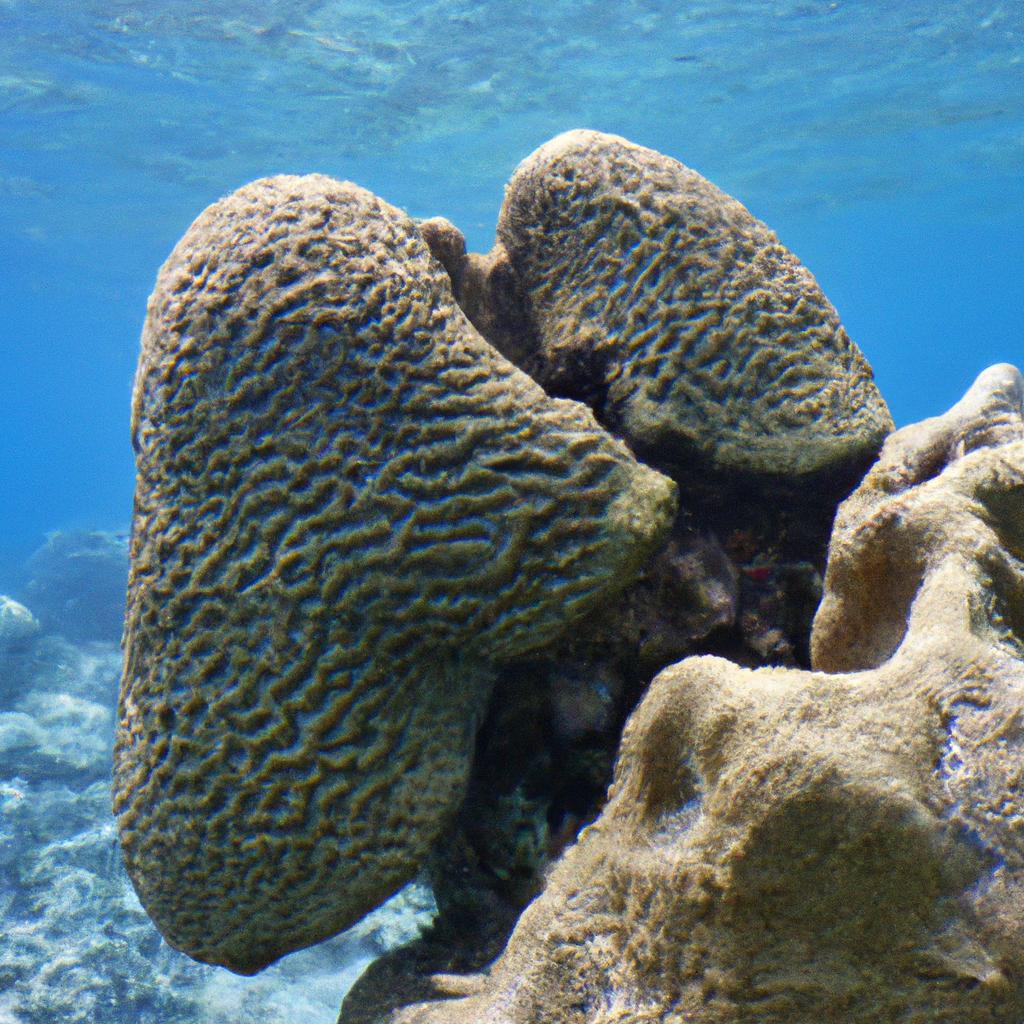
point(792, 847)
point(886, 535)
point(348, 507)
point(663, 302)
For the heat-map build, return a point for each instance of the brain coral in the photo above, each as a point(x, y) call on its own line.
point(661, 301)
point(348, 506)
point(791, 847)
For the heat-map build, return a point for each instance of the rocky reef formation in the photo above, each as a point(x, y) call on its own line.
point(783, 846)
point(407, 546)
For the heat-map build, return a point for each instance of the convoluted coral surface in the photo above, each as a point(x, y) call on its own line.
point(660, 300)
point(76, 946)
point(789, 847)
point(348, 507)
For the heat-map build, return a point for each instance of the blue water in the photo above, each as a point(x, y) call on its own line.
point(884, 143)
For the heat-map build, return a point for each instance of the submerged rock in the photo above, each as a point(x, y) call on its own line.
point(786, 847)
point(77, 584)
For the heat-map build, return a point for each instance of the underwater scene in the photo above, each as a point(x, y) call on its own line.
point(513, 512)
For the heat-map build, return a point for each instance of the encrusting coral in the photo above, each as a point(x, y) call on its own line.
point(625, 279)
point(348, 508)
point(845, 844)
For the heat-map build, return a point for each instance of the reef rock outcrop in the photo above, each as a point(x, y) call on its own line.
point(845, 844)
point(349, 507)
point(77, 584)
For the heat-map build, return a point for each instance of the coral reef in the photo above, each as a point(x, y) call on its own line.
point(77, 584)
point(362, 534)
point(349, 509)
point(626, 280)
point(783, 846)
point(640, 288)
point(740, 574)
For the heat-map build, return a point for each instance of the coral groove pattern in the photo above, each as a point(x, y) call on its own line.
point(349, 507)
point(846, 844)
point(696, 335)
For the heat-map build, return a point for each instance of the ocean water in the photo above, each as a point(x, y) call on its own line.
point(883, 142)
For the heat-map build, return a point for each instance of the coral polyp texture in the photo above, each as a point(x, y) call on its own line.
point(661, 301)
point(846, 844)
point(349, 507)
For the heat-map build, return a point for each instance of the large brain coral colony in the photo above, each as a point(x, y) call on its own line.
point(698, 336)
point(348, 508)
point(354, 511)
